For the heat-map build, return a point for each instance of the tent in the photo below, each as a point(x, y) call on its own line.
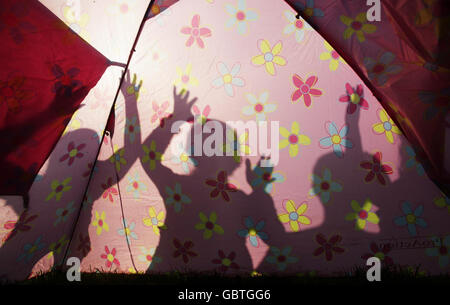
point(340, 161)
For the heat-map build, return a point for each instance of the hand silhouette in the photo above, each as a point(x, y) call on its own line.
point(126, 83)
point(129, 86)
point(181, 105)
point(249, 173)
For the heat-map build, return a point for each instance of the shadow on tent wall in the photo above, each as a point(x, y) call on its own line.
point(45, 228)
point(220, 199)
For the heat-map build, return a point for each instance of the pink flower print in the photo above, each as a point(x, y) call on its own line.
point(200, 117)
point(221, 186)
point(305, 89)
point(84, 245)
point(381, 252)
point(110, 257)
point(195, 32)
point(73, 153)
point(109, 190)
point(355, 98)
point(376, 169)
point(160, 113)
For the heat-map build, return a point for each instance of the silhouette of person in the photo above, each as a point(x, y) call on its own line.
point(23, 136)
point(327, 240)
point(359, 176)
point(181, 239)
point(206, 191)
point(34, 233)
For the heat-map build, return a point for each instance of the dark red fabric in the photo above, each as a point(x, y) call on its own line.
point(416, 32)
point(46, 71)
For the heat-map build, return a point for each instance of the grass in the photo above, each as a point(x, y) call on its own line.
point(357, 276)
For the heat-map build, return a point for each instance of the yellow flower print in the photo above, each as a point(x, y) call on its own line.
point(151, 155)
point(442, 202)
point(431, 13)
point(185, 79)
point(156, 221)
point(236, 146)
point(386, 126)
point(117, 157)
point(255, 273)
point(425, 15)
point(76, 23)
point(132, 270)
point(100, 222)
point(208, 225)
point(58, 188)
point(294, 215)
point(293, 138)
point(57, 247)
point(399, 116)
point(362, 215)
point(332, 56)
point(269, 56)
point(358, 25)
point(74, 124)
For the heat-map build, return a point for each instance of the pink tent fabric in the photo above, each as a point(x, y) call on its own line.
point(83, 132)
point(347, 185)
point(410, 41)
point(402, 59)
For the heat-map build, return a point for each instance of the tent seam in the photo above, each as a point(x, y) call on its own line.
point(105, 131)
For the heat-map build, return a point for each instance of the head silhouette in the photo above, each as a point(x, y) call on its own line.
point(65, 157)
point(215, 148)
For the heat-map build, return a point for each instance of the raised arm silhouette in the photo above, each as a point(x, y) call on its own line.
point(42, 231)
point(205, 195)
point(326, 240)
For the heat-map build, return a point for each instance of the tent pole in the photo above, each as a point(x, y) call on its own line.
point(105, 131)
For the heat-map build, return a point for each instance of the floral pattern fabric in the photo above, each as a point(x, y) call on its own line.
point(341, 190)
